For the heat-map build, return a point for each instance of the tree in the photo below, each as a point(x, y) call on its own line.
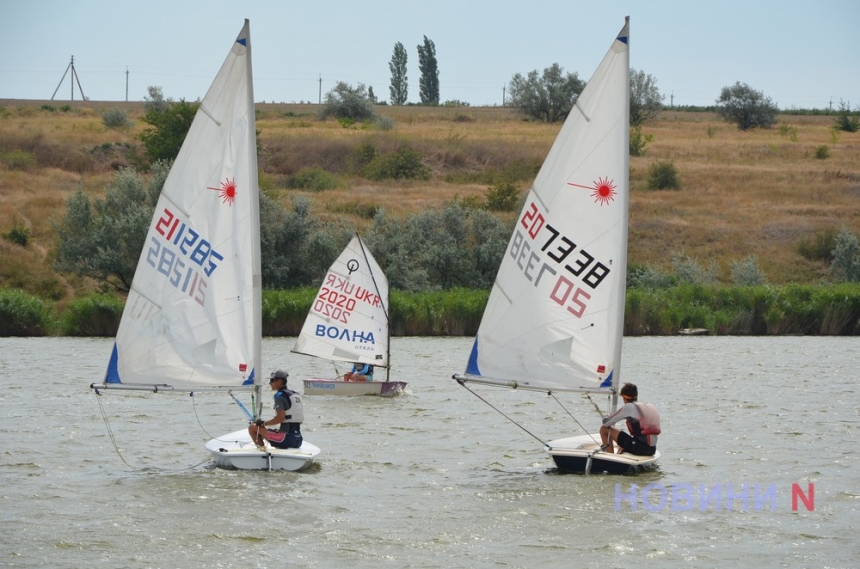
point(296, 249)
point(429, 82)
point(549, 97)
point(399, 89)
point(168, 129)
point(348, 102)
point(155, 100)
point(846, 258)
point(444, 248)
point(646, 102)
point(103, 238)
point(844, 119)
point(746, 107)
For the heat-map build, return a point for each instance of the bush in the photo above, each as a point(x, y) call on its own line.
point(746, 272)
point(846, 258)
point(168, 129)
point(403, 164)
point(822, 152)
point(820, 247)
point(384, 122)
point(688, 271)
point(845, 120)
point(19, 234)
point(22, 314)
point(115, 118)
point(285, 311)
point(363, 210)
point(94, 315)
point(648, 278)
point(362, 155)
point(504, 196)
point(313, 179)
point(662, 175)
point(18, 160)
point(746, 107)
point(638, 141)
point(452, 247)
point(348, 102)
point(789, 131)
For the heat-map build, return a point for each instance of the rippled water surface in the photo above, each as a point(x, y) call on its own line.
point(437, 477)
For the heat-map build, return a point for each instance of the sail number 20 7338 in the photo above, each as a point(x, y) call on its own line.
point(554, 256)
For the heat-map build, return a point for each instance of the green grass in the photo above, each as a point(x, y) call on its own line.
point(832, 310)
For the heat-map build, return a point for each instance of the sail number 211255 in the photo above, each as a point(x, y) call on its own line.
point(180, 243)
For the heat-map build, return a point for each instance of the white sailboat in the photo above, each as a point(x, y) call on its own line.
point(555, 317)
point(348, 322)
point(192, 321)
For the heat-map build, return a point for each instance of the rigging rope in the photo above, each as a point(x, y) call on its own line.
point(502, 413)
point(551, 394)
point(596, 408)
point(196, 416)
point(113, 441)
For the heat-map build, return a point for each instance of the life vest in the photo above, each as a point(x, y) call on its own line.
point(296, 412)
point(649, 422)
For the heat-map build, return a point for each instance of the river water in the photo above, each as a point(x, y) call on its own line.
point(437, 477)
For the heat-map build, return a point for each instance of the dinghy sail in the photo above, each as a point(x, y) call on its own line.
point(555, 317)
point(192, 321)
point(349, 322)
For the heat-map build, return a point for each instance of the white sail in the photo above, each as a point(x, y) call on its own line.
point(348, 320)
point(555, 316)
point(193, 316)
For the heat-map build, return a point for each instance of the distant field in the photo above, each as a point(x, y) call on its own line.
point(756, 193)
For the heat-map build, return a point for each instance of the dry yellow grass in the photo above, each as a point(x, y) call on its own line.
point(743, 193)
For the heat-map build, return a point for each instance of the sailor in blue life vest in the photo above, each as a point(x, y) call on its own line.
point(360, 372)
point(643, 422)
point(289, 414)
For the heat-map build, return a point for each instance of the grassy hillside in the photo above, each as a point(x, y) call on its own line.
point(759, 193)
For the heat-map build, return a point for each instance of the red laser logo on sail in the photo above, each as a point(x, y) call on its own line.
point(602, 191)
point(227, 190)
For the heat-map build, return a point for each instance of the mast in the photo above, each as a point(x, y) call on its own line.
point(388, 334)
point(385, 308)
point(623, 36)
point(255, 238)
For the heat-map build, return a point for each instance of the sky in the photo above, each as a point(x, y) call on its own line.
point(801, 54)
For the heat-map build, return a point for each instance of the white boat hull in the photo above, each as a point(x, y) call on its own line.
point(353, 388)
point(236, 450)
point(581, 454)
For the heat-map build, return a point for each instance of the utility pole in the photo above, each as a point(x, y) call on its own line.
point(74, 79)
point(672, 100)
point(503, 95)
point(126, 83)
point(320, 95)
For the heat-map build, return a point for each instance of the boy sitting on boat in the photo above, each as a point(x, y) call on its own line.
point(360, 372)
point(289, 414)
point(643, 422)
